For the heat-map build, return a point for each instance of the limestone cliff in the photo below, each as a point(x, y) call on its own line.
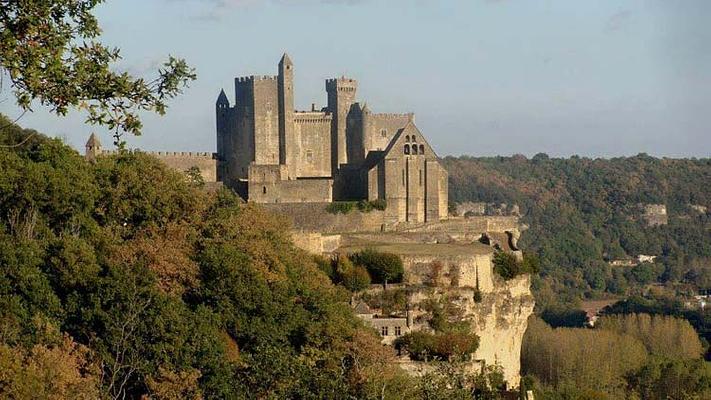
point(443, 261)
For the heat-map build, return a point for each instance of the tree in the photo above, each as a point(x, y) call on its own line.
point(50, 51)
point(382, 267)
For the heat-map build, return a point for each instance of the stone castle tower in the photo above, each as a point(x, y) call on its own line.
point(270, 153)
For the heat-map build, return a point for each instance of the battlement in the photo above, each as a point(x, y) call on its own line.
point(183, 154)
point(410, 116)
point(252, 78)
point(342, 84)
point(312, 117)
point(188, 154)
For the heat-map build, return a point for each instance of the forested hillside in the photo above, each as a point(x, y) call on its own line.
point(584, 212)
point(122, 279)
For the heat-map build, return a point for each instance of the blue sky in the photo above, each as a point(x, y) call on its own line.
point(484, 77)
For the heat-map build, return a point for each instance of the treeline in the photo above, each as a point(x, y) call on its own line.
point(583, 212)
point(634, 356)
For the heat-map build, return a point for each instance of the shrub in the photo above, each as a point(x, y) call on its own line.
point(424, 346)
point(382, 267)
point(356, 279)
point(340, 207)
point(509, 267)
point(344, 207)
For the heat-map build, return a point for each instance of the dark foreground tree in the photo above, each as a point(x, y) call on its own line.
point(49, 50)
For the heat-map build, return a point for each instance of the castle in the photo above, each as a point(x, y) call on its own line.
point(270, 153)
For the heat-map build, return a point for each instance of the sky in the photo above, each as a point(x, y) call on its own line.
point(597, 78)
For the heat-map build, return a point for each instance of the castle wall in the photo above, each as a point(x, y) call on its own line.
point(270, 184)
point(313, 217)
point(313, 144)
point(183, 161)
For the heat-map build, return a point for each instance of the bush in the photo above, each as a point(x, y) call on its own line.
point(356, 279)
point(344, 207)
point(340, 207)
point(424, 346)
point(382, 267)
point(509, 267)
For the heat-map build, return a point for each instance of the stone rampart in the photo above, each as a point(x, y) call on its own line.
point(313, 217)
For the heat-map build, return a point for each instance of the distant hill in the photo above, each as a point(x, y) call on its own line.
point(584, 214)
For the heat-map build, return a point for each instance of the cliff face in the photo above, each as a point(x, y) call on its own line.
point(500, 320)
point(451, 272)
point(443, 261)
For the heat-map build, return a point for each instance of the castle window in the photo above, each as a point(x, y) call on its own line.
point(414, 149)
point(414, 138)
point(384, 330)
point(384, 132)
point(264, 190)
point(309, 156)
point(422, 149)
point(407, 149)
point(398, 331)
point(407, 139)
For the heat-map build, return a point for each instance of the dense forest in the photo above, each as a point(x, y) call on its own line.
point(583, 213)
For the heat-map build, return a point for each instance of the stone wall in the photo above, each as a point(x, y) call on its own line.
point(313, 144)
point(313, 217)
point(270, 184)
point(182, 161)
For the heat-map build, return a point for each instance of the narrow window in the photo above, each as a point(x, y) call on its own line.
point(422, 149)
point(407, 139)
point(420, 177)
point(264, 190)
point(403, 177)
point(309, 156)
point(414, 149)
point(384, 331)
point(384, 132)
point(407, 149)
point(414, 139)
point(397, 331)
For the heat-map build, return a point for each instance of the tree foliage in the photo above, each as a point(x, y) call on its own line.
point(382, 267)
point(51, 53)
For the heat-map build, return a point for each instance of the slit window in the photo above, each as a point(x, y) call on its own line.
point(264, 190)
point(384, 330)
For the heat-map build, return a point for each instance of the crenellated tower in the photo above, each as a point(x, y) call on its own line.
point(341, 95)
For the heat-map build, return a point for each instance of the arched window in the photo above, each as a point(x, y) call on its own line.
point(422, 149)
point(407, 149)
point(414, 138)
point(407, 139)
point(414, 149)
point(264, 190)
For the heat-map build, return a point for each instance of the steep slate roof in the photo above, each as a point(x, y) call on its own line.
point(222, 98)
point(93, 141)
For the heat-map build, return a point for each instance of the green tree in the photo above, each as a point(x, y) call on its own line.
point(383, 267)
point(50, 51)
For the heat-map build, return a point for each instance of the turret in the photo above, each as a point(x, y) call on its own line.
point(341, 95)
point(222, 118)
point(92, 147)
point(287, 142)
